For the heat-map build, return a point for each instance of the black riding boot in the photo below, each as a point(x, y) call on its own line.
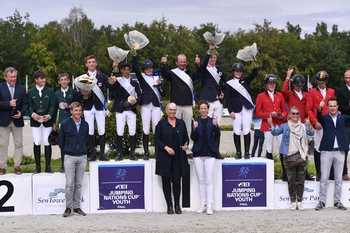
point(268, 155)
point(217, 143)
point(145, 140)
point(317, 159)
point(37, 154)
point(119, 149)
point(48, 154)
point(246, 146)
point(237, 141)
point(102, 148)
point(284, 174)
point(92, 148)
point(132, 148)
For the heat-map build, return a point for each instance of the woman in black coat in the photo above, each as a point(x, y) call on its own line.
point(172, 141)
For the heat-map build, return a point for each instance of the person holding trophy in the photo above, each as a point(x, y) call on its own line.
point(213, 87)
point(240, 105)
point(128, 95)
point(90, 88)
point(152, 94)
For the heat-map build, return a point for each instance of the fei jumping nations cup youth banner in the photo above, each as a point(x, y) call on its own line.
point(121, 186)
point(244, 184)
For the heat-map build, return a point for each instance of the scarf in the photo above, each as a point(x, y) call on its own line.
point(298, 139)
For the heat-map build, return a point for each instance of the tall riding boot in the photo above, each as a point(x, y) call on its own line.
point(132, 148)
point(246, 146)
point(317, 159)
point(91, 144)
point(217, 143)
point(62, 159)
point(102, 148)
point(119, 148)
point(268, 155)
point(145, 140)
point(284, 174)
point(37, 154)
point(237, 141)
point(48, 154)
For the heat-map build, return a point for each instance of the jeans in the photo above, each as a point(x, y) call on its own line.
point(74, 169)
point(259, 138)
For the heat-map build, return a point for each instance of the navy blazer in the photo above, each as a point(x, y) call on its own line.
point(330, 131)
point(210, 89)
point(148, 94)
point(213, 132)
point(93, 100)
point(5, 108)
point(121, 94)
point(234, 100)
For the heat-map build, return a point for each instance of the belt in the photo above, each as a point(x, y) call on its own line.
point(334, 149)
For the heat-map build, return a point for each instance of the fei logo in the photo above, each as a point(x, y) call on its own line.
point(121, 173)
point(121, 186)
point(243, 171)
point(244, 184)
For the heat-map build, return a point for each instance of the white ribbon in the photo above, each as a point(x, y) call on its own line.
point(240, 89)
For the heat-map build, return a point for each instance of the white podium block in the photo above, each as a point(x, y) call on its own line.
point(16, 194)
point(244, 184)
point(345, 194)
point(310, 195)
point(120, 186)
point(49, 193)
point(159, 203)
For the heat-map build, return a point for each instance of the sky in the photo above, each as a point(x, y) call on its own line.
point(229, 15)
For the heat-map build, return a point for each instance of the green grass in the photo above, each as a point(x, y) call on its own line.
point(28, 163)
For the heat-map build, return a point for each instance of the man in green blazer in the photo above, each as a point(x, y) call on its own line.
point(42, 110)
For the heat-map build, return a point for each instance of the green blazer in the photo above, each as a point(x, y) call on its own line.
point(47, 100)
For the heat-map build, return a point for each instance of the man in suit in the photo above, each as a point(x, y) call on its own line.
point(128, 95)
point(42, 111)
point(181, 90)
point(343, 98)
point(213, 87)
point(333, 146)
point(13, 105)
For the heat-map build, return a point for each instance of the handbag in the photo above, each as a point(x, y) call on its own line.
point(292, 160)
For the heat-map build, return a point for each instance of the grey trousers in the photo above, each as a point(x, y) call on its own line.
point(327, 159)
point(74, 169)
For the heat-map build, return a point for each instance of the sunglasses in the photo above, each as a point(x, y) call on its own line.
point(296, 113)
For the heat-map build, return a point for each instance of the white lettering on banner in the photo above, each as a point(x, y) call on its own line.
point(121, 196)
point(243, 194)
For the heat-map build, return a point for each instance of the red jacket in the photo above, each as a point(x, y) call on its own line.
point(265, 105)
point(313, 101)
point(292, 99)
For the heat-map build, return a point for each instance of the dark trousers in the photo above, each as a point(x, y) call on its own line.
point(259, 139)
point(175, 179)
point(296, 180)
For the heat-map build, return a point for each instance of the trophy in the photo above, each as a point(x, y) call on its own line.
point(86, 83)
point(214, 38)
point(156, 76)
point(248, 53)
point(137, 39)
point(118, 55)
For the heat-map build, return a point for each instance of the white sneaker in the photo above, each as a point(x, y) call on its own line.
point(210, 210)
point(300, 206)
point(293, 206)
point(202, 209)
